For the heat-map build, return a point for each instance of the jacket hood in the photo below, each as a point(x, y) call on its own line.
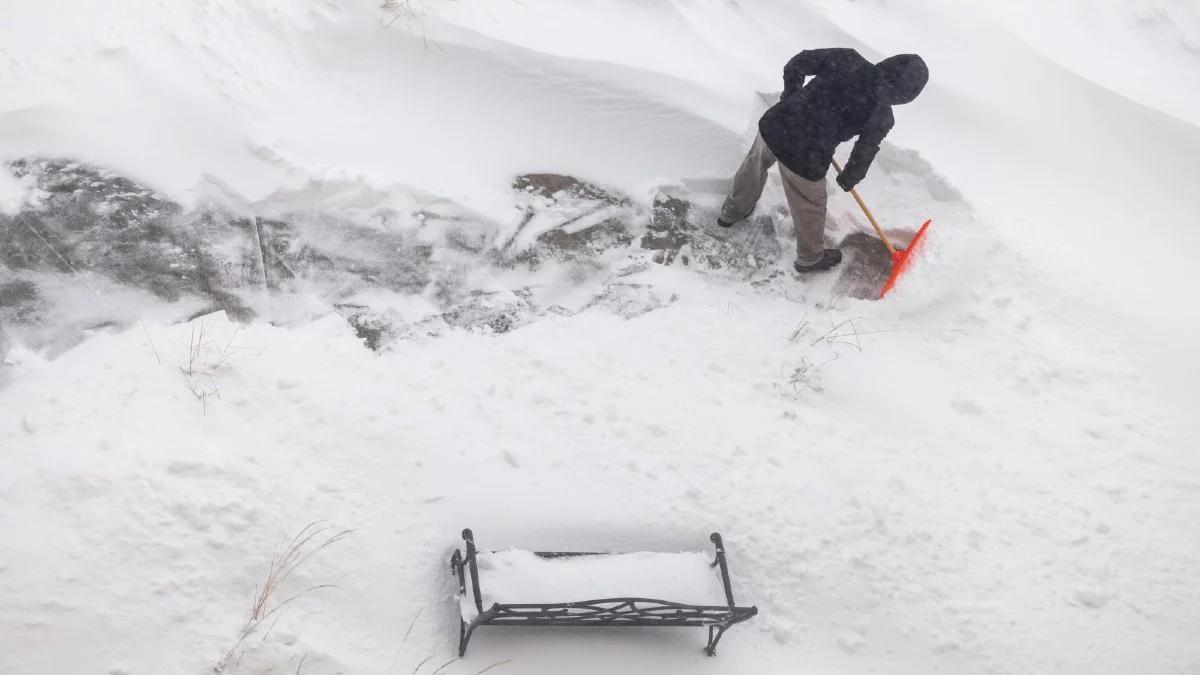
point(902, 77)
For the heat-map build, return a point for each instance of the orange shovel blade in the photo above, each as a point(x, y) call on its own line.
point(902, 257)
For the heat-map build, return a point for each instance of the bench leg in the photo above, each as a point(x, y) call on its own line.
point(714, 636)
point(464, 635)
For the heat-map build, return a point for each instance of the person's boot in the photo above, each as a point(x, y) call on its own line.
point(725, 223)
point(829, 260)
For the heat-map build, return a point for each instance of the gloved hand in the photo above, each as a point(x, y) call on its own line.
point(845, 183)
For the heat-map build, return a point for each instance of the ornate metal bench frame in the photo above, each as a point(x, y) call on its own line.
point(600, 612)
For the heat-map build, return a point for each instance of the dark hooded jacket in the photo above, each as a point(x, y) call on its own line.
point(849, 96)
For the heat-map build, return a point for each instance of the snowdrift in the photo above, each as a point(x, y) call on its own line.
point(264, 264)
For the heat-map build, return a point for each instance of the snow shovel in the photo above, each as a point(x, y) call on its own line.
point(900, 257)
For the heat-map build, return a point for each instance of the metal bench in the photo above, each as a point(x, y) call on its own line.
point(620, 611)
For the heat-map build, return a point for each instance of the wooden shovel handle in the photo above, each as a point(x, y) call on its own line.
point(863, 205)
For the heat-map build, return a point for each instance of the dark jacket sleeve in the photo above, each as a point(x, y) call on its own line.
point(874, 131)
point(809, 62)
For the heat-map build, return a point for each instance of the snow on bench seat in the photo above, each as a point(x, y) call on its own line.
point(523, 577)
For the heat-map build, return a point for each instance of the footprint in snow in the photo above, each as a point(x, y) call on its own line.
point(511, 459)
point(966, 406)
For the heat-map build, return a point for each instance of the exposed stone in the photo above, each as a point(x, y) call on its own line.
point(468, 237)
point(669, 230)
point(88, 219)
point(492, 312)
point(632, 300)
point(19, 302)
point(578, 220)
point(85, 219)
point(678, 232)
point(17, 293)
point(376, 330)
point(328, 249)
point(865, 268)
point(588, 242)
point(552, 184)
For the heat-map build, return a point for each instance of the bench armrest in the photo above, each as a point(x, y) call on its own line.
point(719, 562)
point(460, 564)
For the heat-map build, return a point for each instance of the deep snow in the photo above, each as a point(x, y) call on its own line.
point(991, 471)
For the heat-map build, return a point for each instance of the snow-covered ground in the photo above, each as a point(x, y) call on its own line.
point(993, 470)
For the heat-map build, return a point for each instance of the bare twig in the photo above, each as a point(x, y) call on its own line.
point(425, 660)
point(494, 665)
point(410, 626)
point(204, 357)
point(835, 336)
point(151, 341)
point(192, 350)
point(226, 353)
point(912, 330)
point(809, 374)
point(801, 330)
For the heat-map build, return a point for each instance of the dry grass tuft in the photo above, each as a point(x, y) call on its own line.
point(494, 665)
point(413, 9)
point(285, 558)
point(411, 14)
point(205, 356)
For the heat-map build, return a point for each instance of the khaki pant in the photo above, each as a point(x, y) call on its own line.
point(806, 199)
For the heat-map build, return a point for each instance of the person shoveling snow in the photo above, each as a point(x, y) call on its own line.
point(849, 96)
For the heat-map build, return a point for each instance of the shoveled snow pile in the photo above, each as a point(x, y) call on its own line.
point(271, 271)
